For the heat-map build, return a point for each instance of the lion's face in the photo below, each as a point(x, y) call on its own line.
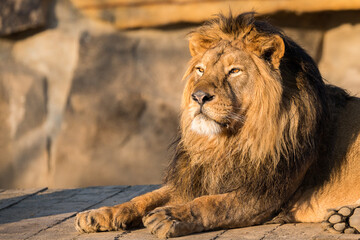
point(219, 91)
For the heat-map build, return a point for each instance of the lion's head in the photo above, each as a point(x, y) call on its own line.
point(253, 100)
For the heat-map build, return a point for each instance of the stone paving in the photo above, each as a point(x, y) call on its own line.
point(49, 214)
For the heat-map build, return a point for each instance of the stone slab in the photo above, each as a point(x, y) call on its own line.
point(299, 231)
point(134, 14)
point(249, 233)
point(119, 129)
point(49, 214)
point(13, 196)
point(21, 15)
point(65, 229)
point(339, 63)
point(49, 208)
point(337, 237)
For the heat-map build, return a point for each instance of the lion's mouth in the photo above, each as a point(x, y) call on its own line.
point(205, 125)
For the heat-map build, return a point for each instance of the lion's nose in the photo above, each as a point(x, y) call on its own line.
point(202, 97)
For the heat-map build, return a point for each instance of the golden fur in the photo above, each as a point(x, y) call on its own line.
point(260, 139)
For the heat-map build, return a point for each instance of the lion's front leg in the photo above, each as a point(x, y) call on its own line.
point(206, 213)
point(122, 216)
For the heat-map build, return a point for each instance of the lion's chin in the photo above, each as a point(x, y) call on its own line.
point(205, 126)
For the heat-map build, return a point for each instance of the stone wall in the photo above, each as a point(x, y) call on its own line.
point(82, 103)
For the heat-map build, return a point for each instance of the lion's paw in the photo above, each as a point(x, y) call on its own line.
point(127, 217)
point(163, 224)
point(345, 219)
point(123, 216)
point(96, 220)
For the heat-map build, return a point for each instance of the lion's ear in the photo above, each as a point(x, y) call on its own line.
point(195, 48)
point(270, 48)
point(198, 44)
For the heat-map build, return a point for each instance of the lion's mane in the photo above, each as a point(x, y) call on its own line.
point(282, 130)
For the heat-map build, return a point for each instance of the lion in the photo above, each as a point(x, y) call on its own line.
point(262, 139)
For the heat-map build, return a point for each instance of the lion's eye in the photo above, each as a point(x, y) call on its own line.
point(235, 71)
point(200, 70)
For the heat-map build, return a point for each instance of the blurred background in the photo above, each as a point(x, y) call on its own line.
point(90, 90)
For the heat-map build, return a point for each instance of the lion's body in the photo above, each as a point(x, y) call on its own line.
point(342, 187)
point(262, 137)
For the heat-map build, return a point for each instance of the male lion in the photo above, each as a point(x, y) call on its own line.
point(262, 138)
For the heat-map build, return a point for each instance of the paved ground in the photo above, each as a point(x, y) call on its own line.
point(49, 214)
